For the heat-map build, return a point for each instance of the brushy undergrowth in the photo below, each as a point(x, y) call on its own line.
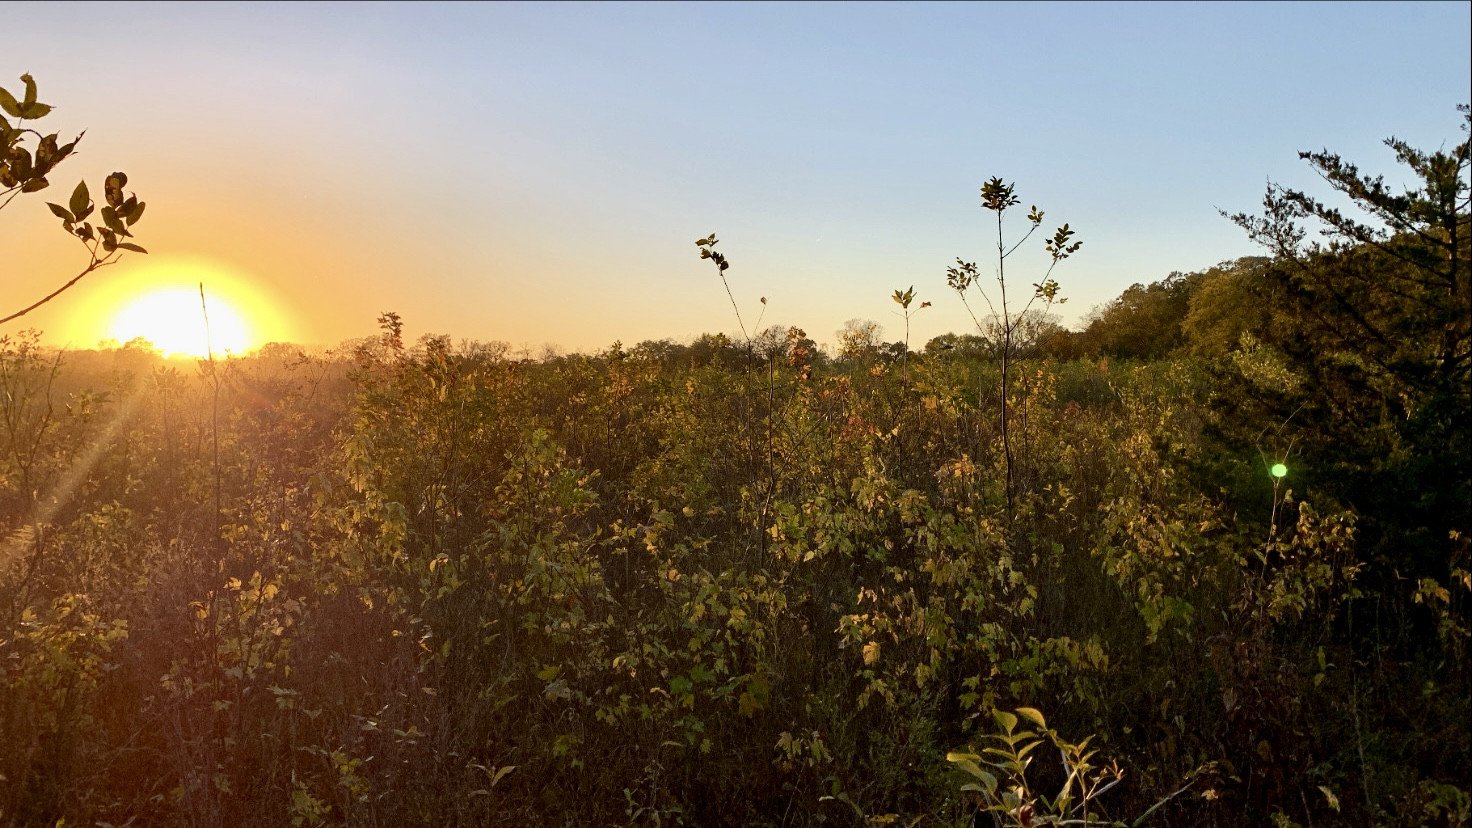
point(657, 586)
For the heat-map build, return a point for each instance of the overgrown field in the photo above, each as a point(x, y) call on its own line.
point(700, 585)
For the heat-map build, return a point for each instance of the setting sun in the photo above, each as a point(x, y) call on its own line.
point(159, 300)
point(174, 321)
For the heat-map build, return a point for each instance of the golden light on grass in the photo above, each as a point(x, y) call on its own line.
point(159, 300)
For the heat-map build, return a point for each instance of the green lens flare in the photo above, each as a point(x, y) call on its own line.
point(1280, 470)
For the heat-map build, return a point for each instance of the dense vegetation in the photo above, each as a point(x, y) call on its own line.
point(747, 582)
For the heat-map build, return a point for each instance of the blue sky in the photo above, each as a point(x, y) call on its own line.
point(537, 173)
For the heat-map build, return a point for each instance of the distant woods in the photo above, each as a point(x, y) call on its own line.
point(1201, 312)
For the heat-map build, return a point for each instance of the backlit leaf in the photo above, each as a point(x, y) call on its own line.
point(113, 189)
point(9, 104)
point(1033, 715)
point(80, 198)
point(1007, 721)
point(115, 224)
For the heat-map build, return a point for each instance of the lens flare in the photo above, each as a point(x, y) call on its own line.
point(1279, 470)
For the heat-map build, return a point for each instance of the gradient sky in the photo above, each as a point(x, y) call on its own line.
point(537, 173)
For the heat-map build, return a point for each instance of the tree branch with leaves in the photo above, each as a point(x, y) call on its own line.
point(904, 298)
point(24, 169)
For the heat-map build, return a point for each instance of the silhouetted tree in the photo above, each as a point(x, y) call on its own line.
point(1374, 326)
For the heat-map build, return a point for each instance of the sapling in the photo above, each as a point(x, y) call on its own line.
point(998, 197)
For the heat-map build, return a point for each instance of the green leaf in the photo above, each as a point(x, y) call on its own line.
point(9, 104)
point(34, 185)
point(756, 696)
point(60, 212)
point(80, 198)
point(1033, 715)
point(66, 149)
point(748, 705)
point(47, 153)
point(131, 246)
point(988, 781)
point(967, 762)
point(971, 768)
point(113, 189)
point(28, 107)
point(110, 218)
point(20, 162)
point(136, 213)
point(1005, 720)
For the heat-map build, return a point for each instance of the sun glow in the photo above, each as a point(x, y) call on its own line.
point(160, 302)
point(180, 322)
